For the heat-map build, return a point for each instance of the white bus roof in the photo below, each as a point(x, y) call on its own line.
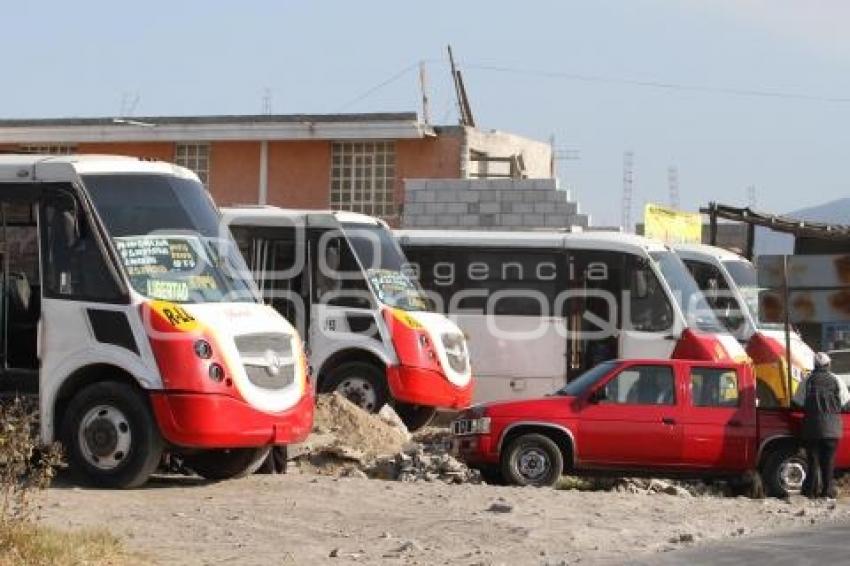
point(266, 214)
point(704, 251)
point(31, 168)
point(585, 240)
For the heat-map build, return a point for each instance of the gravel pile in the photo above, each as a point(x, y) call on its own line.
point(417, 462)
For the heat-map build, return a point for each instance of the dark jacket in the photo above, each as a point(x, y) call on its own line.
point(822, 399)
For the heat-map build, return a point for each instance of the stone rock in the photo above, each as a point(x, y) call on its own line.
point(500, 507)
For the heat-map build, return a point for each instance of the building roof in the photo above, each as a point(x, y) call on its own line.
point(388, 125)
point(778, 223)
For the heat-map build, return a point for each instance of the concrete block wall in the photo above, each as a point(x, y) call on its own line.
point(489, 204)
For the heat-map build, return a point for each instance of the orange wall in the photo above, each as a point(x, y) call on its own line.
point(300, 174)
point(154, 150)
point(234, 172)
point(426, 158)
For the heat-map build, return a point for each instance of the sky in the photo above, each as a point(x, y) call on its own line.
point(733, 93)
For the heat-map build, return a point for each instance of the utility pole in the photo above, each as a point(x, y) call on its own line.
point(673, 185)
point(423, 88)
point(267, 101)
point(560, 154)
point(628, 185)
point(464, 109)
point(751, 196)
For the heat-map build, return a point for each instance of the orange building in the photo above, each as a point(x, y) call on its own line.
point(355, 162)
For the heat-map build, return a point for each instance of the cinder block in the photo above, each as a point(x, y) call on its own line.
point(532, 220)
point(413, 208)
point(489, 220)
point(473, 208)
point(468, 196)
point(457, 208)
point(500, 184)
point(545, 184)
point(556, 196)
point(425, 195)
point(425, 221)
point(490, 207)
point(448, 195)
point(556, 221)
point(469, 220)
point(511, 219)
point(415, 184)
point(543, 207)
point(435, 208)
point(512, 196)
point(522, 207)
point(448, 220)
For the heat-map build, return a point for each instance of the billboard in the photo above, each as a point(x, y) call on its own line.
point(672, 226)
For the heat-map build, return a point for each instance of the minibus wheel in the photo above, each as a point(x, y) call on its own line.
point(532, 459)
point(226, 463)
point(415, 416)
point(362, 383)
point(110, 436)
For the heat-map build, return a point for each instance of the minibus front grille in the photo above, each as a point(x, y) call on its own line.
point(268, 359)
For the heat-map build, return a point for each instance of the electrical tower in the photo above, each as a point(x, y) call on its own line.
point(673, 185)
point(751, 196)
point(628, 185)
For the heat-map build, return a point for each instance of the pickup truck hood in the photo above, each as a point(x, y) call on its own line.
point(541, 408)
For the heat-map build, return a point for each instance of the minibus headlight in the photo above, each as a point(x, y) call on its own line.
point(203, 349)
point(216, 372)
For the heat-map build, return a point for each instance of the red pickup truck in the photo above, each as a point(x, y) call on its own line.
point(676, 418)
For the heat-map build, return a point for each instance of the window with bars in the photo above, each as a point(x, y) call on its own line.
point(49, 148)
point(196, 157)
point(362, 177)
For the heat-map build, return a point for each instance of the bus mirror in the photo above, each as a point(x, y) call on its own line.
point(640, 285)
point(71, 225)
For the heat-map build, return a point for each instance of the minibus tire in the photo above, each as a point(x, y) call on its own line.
point(415, 416)
point(537, 449)
point(226, 463)
point(373, 376)
point(146, 444)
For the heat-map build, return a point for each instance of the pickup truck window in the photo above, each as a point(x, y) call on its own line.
point(582, 383)
point(714, 387)
point(642, 385)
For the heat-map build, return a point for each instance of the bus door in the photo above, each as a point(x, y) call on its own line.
point(648, 325)
point(20, 307)
point(276, 257)
point(343, 310)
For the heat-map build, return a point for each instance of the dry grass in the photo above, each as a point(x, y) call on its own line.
point(25, 543)
point(25, 470)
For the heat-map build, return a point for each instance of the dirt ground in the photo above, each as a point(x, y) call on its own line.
point(300, 518)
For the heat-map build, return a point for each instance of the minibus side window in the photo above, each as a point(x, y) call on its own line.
point(74, 266)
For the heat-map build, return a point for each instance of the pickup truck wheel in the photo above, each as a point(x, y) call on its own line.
point(532, 459)
point(363, 384)
point(784, 470)
point(227, 463)
point(110, 436)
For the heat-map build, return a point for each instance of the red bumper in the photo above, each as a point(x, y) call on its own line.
point(426, 387)
point(476, 449)
point(205, 420)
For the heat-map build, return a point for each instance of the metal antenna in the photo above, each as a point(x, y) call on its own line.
point(751, 196)
point(673, 185)
point(267, 101)
point(628, 185)
point(560, 154)
point(423, 87)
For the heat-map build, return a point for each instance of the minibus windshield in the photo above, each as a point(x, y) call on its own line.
point(167, 234)
point(743, 273)
point(686, 292)
point(384, 265)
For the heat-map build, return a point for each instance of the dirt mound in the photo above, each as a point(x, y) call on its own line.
point(345, 436)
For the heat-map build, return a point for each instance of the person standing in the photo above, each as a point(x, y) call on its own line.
point(821, 395)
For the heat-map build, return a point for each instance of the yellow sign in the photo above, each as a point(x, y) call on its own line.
point(176, 315)
point(672, 226)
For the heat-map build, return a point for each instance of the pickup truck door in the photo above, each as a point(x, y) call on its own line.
point(634, 424)
point(718, 419)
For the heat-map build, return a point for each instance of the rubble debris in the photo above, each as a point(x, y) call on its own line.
point(349, 442)
point(500, 506)
point(645, 486)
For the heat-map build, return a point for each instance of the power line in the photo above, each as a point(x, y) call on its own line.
point(379, 86)
point(659, 84)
